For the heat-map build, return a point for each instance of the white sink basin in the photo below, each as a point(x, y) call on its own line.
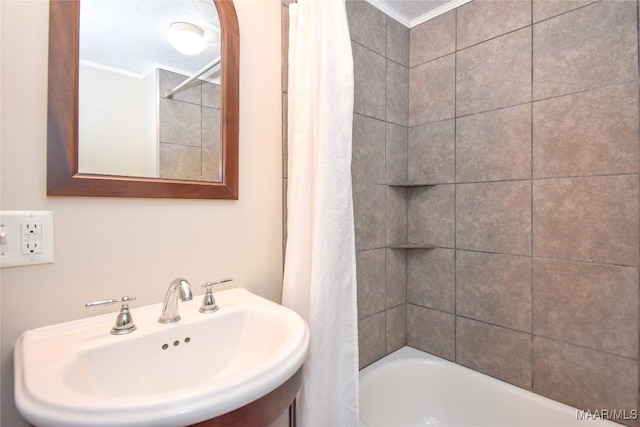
point(78, 374)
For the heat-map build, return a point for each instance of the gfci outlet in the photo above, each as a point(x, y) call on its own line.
point(26, 238)
point(31, 238)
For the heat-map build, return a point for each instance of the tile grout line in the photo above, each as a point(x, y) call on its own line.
point(582, 346)
point(638, 180)
point(565, 260)
point(455, 188)
point(406, 200)
point(504, 34)
point(386, 212)
point(502, 181)
point(594, 89)
point(531, 354)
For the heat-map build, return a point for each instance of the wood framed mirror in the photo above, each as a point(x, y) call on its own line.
point(63, 176)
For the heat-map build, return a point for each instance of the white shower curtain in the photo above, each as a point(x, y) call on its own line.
point(320, 264)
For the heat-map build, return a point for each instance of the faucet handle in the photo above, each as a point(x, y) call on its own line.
point(209, 302)
point(217, 282)
point(124, 321)
point(124, 300)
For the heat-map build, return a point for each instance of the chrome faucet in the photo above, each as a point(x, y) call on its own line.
point(170, 307)
point(209, 302)
point(124, 322)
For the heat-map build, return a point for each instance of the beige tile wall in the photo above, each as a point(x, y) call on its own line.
point(539, 286)
point(189, 129)
point(381, 114)
point(526, 114)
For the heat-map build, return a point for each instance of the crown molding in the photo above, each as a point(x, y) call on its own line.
point(453, 4)
point(410, 23)
point(391, 12)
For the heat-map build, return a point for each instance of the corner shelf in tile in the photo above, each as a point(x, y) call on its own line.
point(410, 184)
point(411, 246)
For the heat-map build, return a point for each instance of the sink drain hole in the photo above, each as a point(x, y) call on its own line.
point(165, 346)
point(187, 339)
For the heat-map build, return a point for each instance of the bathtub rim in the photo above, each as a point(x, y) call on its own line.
point(405, 353)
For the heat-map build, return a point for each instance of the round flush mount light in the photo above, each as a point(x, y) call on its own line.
point(186, 38)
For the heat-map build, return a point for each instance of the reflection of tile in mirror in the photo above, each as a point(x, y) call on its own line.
point(211, 167)
point(211, 128)
point(191, 93)
point(180, 162)
point(210, 95)
point(179, 122)
point(211, 163)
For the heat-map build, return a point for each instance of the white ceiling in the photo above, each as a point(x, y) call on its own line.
point(131, 35)
point(414, 12)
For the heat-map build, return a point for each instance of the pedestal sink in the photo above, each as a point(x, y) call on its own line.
point(205, 365)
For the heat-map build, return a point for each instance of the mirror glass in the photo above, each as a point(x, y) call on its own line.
point(149, 89)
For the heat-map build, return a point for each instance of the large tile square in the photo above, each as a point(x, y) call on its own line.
point(397, 42)
point(367, 25)
point(502, 353)
point(431, 153)
point(592, 219)
point(586, 379)
point(494, 217)
point(494, 74)
point(494, 288)
point(371, 339)
point(369, 215)
point(191, 93)
point(397, 93)
point(586, 48)
point(370, 269)
point(430, 215)
point(369, 97)
point(433, 39)
point(494, 146)
point(396, 319)
point(396, 216)
point(545, 9)
point(589, 133)
point(432, 91)
point(481, 20)
point(591, 305)
point(180, 123)
point(180, 162)
point(396, 277)
point(431, 279)
point(396, 148)
point(431, 331)
point(284, 15)
point(368, 150)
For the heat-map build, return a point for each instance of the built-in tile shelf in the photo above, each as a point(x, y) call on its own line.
point(410, 184)
point(411, 246)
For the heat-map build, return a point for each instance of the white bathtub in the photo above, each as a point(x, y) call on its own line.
point(413, 388)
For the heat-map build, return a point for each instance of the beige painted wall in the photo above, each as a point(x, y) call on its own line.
point(113, 247)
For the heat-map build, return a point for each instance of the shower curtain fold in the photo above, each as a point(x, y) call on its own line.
point(320, 266)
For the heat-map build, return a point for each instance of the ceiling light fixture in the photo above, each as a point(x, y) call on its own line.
point(186, 38)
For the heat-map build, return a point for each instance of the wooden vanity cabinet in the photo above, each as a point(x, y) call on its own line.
point(276, 409)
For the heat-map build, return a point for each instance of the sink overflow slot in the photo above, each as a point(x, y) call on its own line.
point(176, 343)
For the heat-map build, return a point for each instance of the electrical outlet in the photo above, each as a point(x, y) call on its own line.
point(26, 238)
point(31, 238)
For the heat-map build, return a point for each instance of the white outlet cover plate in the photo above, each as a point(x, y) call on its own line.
point(11, 228)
